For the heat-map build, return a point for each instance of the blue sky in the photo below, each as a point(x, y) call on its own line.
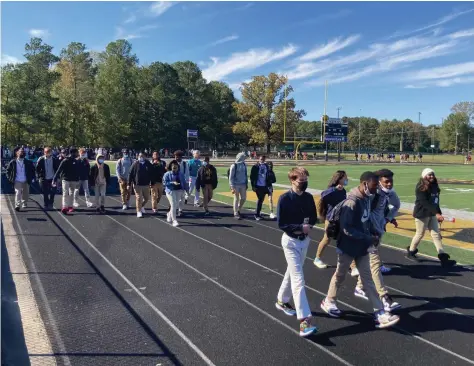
point(381, 59)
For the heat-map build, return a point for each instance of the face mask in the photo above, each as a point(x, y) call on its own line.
point(346, 182)
point(22, 155)
point(302, 186)
point(142, 160)
point(367, 191)
point(48, 156)
point(386, 190)
point(83, 156)
point(204, 163)
point(125, 155)
point(101, 161)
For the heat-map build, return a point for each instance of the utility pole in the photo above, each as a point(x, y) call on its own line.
point(325, 122)
point(401, 141)
point(338, 142)
point(432, 141)
point(456, 147)
point(418, 132)
point(359, 128)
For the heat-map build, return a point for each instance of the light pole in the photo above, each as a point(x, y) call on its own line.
point(359, 129)
point(338, 142)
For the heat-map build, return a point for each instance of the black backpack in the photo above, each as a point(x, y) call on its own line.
point(333, 229)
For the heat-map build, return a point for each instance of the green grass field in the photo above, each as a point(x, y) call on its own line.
point(454, 196)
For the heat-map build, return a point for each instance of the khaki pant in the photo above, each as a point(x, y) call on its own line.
point(100, 194)
point(375, 264)
point(240, 196)
point(363, 265)
point(325, 241)
point(431, 224)
point(124, 192)
point(68, 192)
point(142, 194)
point(22, 192)
point(156, 194)
point(207, 194)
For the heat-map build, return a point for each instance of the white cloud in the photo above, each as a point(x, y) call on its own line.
point(121, 34)
point(40, 33)
point(248, 60)
point(224, 40)
point(449, 71)
point(132, 18)
point(329, 48)
point(158, 8)
point(462, 34)
point(7, 59)
point(439, 22)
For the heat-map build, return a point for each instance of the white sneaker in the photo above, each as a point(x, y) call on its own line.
point(360, 293)
point(23, 205)
point(139, 214)
point(89, 204)
point(168, 217)
point(272, 216)
point(388, 303)
point(124, 207)
point(75, 205)
point(180, 213)
point(143, 210)
point(330, 308)
point(319, 263)
point(355, 272)
point(384, 319)
point(175, 223)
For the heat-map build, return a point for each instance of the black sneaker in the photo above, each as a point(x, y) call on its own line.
point(17, 208)
point(98, 210)
point(411, 255)
point(445, 261)
point(207, 213)
point(186, 201)
point(102, 209)
point(258, 218)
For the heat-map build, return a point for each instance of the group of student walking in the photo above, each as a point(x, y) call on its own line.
point(357, 221)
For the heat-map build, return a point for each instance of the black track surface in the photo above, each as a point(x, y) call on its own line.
point(216, 279)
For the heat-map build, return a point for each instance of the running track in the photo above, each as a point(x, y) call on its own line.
point(128, 291)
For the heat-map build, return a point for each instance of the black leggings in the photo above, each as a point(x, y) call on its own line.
point(261, 193)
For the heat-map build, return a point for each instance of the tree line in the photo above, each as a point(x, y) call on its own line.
point(84, 98)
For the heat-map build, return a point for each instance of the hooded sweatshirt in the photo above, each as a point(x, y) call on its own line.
point(387, 208)
point(356, 234)
point(99, 175)
point(238, 172)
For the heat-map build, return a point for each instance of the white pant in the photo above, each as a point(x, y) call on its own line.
point(192, 188)
point(174, 199)
point(85, 187)
point(68, 192)
point(293, 282)
point(22, 190)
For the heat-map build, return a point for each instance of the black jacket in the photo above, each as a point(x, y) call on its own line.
point(427, 202)
point(138, 176)
point(40, 167)
point(29, 171)
point(84, 169)
point(293, 210)
point(269, 178)
point(206, 175)
point(68, 170)
point(94, 173)
point(158, 170)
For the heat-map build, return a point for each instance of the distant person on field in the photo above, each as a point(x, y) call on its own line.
point(428, 216)
point(21, 173)
point(238, 182)
point(124, 164)
point(207, 181)
point(100, 179)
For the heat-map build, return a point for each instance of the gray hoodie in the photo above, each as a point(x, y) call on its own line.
point(238, 172)
point(380, 214)
point(355, 237)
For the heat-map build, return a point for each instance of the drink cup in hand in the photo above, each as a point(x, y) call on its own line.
point(306, 228)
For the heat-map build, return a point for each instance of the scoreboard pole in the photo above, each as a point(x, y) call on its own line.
point(324, 117)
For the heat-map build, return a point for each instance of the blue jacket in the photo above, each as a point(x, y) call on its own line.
point(194, 165)
point(168, 179)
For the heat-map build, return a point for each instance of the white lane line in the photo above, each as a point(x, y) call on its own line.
point(143, 297)
point(261, 311)
point(279, 274)
point(44, 299)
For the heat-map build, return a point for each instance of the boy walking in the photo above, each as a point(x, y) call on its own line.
point(100, 179)
point(207, 181)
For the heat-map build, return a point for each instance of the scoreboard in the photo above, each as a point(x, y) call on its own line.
point(336, 130)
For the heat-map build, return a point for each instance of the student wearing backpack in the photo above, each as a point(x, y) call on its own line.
point(238, 182)
point(329, 199)
point(428, 216)
point(296, 214)
point(384, 207)
point(271, 179)
point(207, 181)
point(259, 181)
point(350, 223)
